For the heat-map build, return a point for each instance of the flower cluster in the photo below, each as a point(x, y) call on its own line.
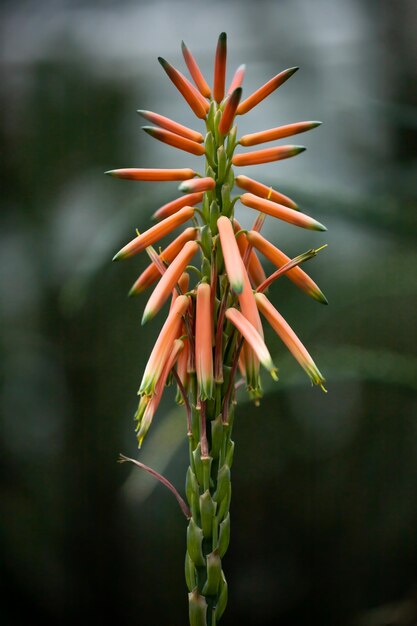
point(214, 328)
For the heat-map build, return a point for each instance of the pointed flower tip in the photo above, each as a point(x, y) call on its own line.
point(119, 256)
point(318, 226)
point(298, 149)
point(163, 62)
point(274, 374)
point(147, 315)
point(223, 37)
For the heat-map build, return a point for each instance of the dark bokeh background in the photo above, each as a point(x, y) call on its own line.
point(325, 502)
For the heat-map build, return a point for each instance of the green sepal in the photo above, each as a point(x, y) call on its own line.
point(195, 423)
point(222, 601)
point(195, 543)
point(225, 191)
point(219, 258)
point(214, 216)
point(217, 119)
point(214, 571)
point(229, 453)
point(198, 464)
point(210, 116)
point(206, 273)
point(223, 482)
point(209, 146)
point(206, 208)
point(224, 505)
point(221, 164)
point(210, 172)
point(207, 512)
point(191, 486)
point(216, 436)
point(224, 536)
point(197, 607)
point(231, 179)
point(231, 142)
point(206, 241)
point(190, 573)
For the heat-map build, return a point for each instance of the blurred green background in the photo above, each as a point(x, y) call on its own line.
point(324, 508)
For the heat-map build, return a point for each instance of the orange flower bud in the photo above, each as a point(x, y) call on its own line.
point(267, 155)
point(232, 260)
point(237, 79)
point(255, 269)
point(166, 136)
point(281, 212)
point(264, 91)
point(172, 207)
point(131, 173)
point(220, 68)
point(277, 133)
point(195, 71)
point(229, 111)
point(204, 341)
point(187, 90)
point(198, 184)
point(174, 127)
point(263, 191)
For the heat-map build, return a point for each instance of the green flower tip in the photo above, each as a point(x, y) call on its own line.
point(298, 149)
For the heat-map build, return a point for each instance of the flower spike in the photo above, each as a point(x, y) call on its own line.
point(163, 290)
point(277, 133)
point(166, 136)
point(189, 93)
point(264, 91)
point(220, 68)
point(288, 336)
point(174, 127)
point(267, 155)
point(153, 234)
point(195, 72)
point(244, 182)
point(281, 212)
point(152, 174)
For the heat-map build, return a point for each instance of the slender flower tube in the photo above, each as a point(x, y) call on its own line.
point(152, 273)
point(163, 290)
point(281, 212)
point(232, 260)
point(277, 133)
point(152, 174)
point(154, 401)
point(253, 338)
point(237, 79)
point(170, 331)
point(180, 288)
point(176, 141)
point(229, 111)
point(174, 127)
point(288, 336)
point(172, 207)
point(264, 91)
point(195, 72)
point(186, 89)
point(255, 269)
point(198, 184)
point(153, 234)
point(278, 258)
point(267, 155)
point(220, 68)
point(204, 341)
point(244, 182)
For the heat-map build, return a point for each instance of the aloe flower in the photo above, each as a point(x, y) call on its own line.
point(213, 328)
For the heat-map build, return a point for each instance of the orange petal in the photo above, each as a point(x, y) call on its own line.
point(131, 173)
point(175, 127)
point(229, 111)
point(231, 255)
point(152, 273)
point(277, 133)
point(267, 155)
point(281, 212)
point(153, 234)
point(163, 290)
point(237, 79)
point(195, 71)
point(204, 341)
point(264, 91)
point(255, 269)
point(187, 90)
point(166, 136)
point(244, 182)
point(172, 207)
point(220, 68)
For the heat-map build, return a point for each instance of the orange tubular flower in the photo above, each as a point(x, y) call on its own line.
point(187, 90)
point(172, 207)
point(153, 234)
point(180, 288)
point(152, 404)
point(231, 255)
point(277, 133)
point(244, 182)
point(198, 184)
point(163, 290)
point(281, 212)
point(253, 338)
point(220, 68)
point(195, 71)
point(267, 155)
point(204, 342)
point(264, 91)
point(288, 336)
point(278, 258)
point(174, 127)
point(255, 269)
point(132, 173)
point(237, 79)
point(166, 136)
point(169, 332)
point(229, 111)
point(152, 273)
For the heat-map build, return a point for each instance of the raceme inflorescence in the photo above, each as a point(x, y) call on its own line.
point(212, 338)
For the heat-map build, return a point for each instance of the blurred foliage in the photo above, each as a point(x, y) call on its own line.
point(324, 505)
